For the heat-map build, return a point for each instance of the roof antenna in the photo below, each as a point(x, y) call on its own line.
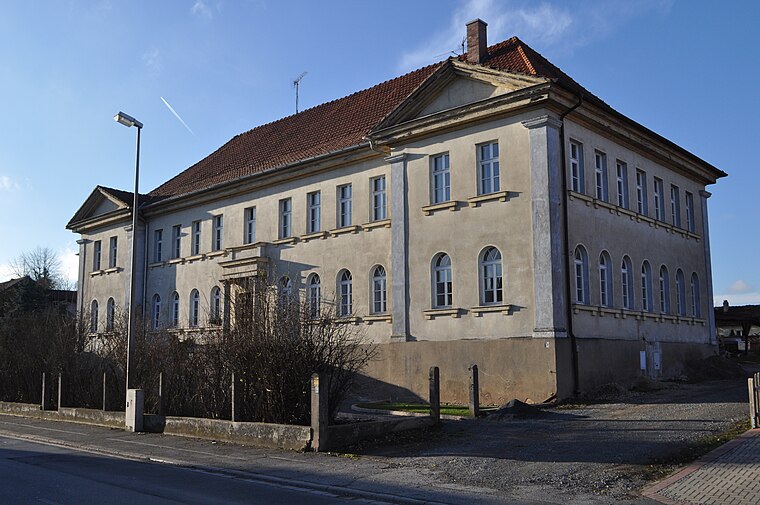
point(296, 84)
point(464, 41)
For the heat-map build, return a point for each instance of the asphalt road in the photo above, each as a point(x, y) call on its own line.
point(34, 473)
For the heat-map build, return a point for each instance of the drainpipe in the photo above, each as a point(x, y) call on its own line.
point(145, 269)
point(568, 278)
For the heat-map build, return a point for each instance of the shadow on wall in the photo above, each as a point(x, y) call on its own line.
point(368, 388)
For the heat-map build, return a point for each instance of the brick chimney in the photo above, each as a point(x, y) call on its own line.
point(476, 41)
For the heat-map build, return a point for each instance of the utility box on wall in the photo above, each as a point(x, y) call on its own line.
point(133, 417)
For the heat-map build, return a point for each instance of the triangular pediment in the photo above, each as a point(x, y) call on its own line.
point(457, 85)
point(101, 202)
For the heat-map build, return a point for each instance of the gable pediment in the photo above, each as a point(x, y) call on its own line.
point(457, 85)
point(101, 202)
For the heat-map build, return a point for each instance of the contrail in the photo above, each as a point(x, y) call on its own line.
point(177, 115)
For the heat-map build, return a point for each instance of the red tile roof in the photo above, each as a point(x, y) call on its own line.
point(335, 125)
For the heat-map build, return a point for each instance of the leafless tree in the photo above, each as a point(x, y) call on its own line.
point(43, 265)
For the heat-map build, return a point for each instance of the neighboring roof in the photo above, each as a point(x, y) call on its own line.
point(13, 282)
point(736, 315)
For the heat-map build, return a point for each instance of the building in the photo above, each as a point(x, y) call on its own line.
point(486, 209)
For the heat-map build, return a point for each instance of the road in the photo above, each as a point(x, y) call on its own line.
point(35, 473)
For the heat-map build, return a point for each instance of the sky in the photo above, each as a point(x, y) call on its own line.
point(198, 72)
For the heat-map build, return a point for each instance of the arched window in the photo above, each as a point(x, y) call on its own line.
point(605, 280)
point(195, 308)
point(442, 285)
point(379, 291)
point(581, 275)
point(94, 316)
point(156, 312)
point(696, 307)
point(646, 287)
point(626, 282)
point(664, 290)
point(110, 314)
point(680, 293)
point(491, 284)
point(345, 288)
point(175, 309)
point(285, 287)
point(315, 294)
point(216, 305)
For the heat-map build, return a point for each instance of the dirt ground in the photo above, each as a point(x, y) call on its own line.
point(599, 452)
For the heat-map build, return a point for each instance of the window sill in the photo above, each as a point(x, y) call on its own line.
point(451, 205)
point(385, 223)
point(378, 318)
point(433, 313)
point(157, 264)
point(107, 271)
point(354, 228)
point(176, 261)
point(286, 240)
point(475, 201)
point(312, 236)
point(482, 309)
point(196, 257)
point(243, 247)
point(348, 320)
point(215, 254)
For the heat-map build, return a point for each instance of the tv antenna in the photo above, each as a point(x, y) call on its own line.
point(296, 84)
point(462, 46)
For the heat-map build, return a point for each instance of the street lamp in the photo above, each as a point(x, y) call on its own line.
point(129, 121)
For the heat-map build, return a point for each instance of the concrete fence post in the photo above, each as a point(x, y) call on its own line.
point(58, 405)
point(43, 401)
point(161, 397)
point(232, 399)
point(319, 413)
point(434, 379)
point(752, 406)
point(104, 391)
point(474, 391)
point(756, 397)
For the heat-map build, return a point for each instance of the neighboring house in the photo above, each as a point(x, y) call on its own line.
point(25, 295)
point(483, 210)
point(738, 326)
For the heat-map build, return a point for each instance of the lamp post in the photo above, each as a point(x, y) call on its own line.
point(129, 121)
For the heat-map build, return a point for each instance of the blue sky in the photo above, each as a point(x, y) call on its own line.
point(685, 69)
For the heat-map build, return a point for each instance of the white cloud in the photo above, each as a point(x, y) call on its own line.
point(739, 287)
point(7, 184)
point(200, 9)
point(541, 25)
point(152, 59)
point(69, 257)
point(6, 272)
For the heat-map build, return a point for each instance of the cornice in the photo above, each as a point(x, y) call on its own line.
point(542, 121)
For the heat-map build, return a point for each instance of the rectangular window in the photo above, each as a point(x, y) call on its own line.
point(177, 241)
point(250, 225)
point(576, 167)
point(690, 212)
point(158, 236)
point(286, 218)
point(379, 202)
point(218, 233)
point(675, 205)
point(314, 212)
point(659, 212)
point(96, 255)
point(642, 206)
point(441, 179)
point(196, 238)
point(488, 168)
point(344, 205)
point(622, 184)
point(600, 176)
point(113, 247)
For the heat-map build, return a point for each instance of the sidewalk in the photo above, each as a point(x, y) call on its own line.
point(729, 475)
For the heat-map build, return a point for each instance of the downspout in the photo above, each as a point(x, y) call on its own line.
point(568, 278)
point(145, 268)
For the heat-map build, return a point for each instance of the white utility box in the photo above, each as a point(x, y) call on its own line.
point(133, 419)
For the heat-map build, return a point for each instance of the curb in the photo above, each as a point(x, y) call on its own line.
point(338, 491)
point(653, 492)
point(405, 413)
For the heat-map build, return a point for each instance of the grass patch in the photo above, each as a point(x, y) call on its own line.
point(420, 408)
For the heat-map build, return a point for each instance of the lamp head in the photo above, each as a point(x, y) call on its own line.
point(127, 120)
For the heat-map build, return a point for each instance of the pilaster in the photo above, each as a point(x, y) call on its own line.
point(547, 224)
point(399, 247)
point(82, 243)
point(704, 195)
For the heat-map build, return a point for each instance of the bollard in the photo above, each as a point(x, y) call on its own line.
point(232, 399)
point(474, 391)
point(434, 379)
point(43, 402)
point(58, 405)
point(161, 403)
point(319, 413)
point(104, 391)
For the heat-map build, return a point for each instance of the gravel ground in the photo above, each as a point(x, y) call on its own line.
point(600, 453)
